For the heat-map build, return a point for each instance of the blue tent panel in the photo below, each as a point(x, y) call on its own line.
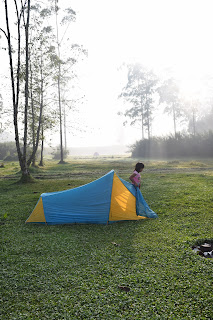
point(86, 204)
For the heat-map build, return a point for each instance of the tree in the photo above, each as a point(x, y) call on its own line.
point(140, 93)
point(191, 110)
point(17, 38)
point(41, 71)
point(1, 107)
point(49, 70)
point(204, 122)
point(169, 95)
point(70, 17)
point(30, 60)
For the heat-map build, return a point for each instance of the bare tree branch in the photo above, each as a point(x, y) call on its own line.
point(4, 33)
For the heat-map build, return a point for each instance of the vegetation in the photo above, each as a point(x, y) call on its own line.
point(14, 44)
point(170, 96)
point(8, 151)
point(35, 68)
point(139, 92)
point(57, 153)
point(78, 271)
point(146, 93)
point(171, 147)
point(177, 146)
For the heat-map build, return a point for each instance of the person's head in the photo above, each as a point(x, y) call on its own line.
point(139, 166)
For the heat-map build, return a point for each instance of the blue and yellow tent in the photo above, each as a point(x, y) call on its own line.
point(105, 200)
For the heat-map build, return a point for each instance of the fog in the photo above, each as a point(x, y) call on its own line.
point(172, 38)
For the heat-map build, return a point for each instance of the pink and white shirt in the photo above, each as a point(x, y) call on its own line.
point(137, 178)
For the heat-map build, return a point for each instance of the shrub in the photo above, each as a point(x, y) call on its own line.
point(8, 151)
point(173, 147)
point(57, 153)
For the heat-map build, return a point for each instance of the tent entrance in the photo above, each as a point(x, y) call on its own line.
point(123, 203)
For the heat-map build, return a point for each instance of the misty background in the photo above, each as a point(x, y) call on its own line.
point(117, 43)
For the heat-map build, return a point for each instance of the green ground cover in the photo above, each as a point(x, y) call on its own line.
point(74, 272)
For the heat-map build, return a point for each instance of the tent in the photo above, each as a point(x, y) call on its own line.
point(103, 201)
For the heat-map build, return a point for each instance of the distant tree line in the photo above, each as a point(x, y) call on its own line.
point(171, 147)
point(8, 151)
point(145, 94)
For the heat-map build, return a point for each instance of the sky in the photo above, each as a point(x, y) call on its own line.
point(164, 35)
point(168, 36)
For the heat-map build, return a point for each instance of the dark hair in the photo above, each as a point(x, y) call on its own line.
point(139, 166)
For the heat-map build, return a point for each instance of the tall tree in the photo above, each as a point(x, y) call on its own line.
point(1, 107)
point(18, 37)
point(191, 111)
point(170, 97)
point(139, 92)
point(205, 122)
point(68, 18)
point(41, 49)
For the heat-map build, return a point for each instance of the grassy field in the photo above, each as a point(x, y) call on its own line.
point(75, 271)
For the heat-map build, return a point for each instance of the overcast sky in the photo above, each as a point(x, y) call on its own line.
point(173, 35)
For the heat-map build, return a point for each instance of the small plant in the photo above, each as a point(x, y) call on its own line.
point(3, 217)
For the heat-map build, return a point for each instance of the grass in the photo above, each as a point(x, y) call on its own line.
point(74, 272)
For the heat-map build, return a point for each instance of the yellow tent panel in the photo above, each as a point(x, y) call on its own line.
point(123, 203)
point(38, 213)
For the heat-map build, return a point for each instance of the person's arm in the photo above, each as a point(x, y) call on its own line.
point(132, 179)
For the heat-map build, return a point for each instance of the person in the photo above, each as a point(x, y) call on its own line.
point(136, 177)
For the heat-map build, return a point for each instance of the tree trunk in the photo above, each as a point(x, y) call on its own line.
point(65, 130)
point(24, 165)
point(35, 148)
point(33, 113)
point(148, 118)
point(60, 117)
point(142, 120)
point(41, 163)
point(193, 122)
point(174, 120)
point(59, 85)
